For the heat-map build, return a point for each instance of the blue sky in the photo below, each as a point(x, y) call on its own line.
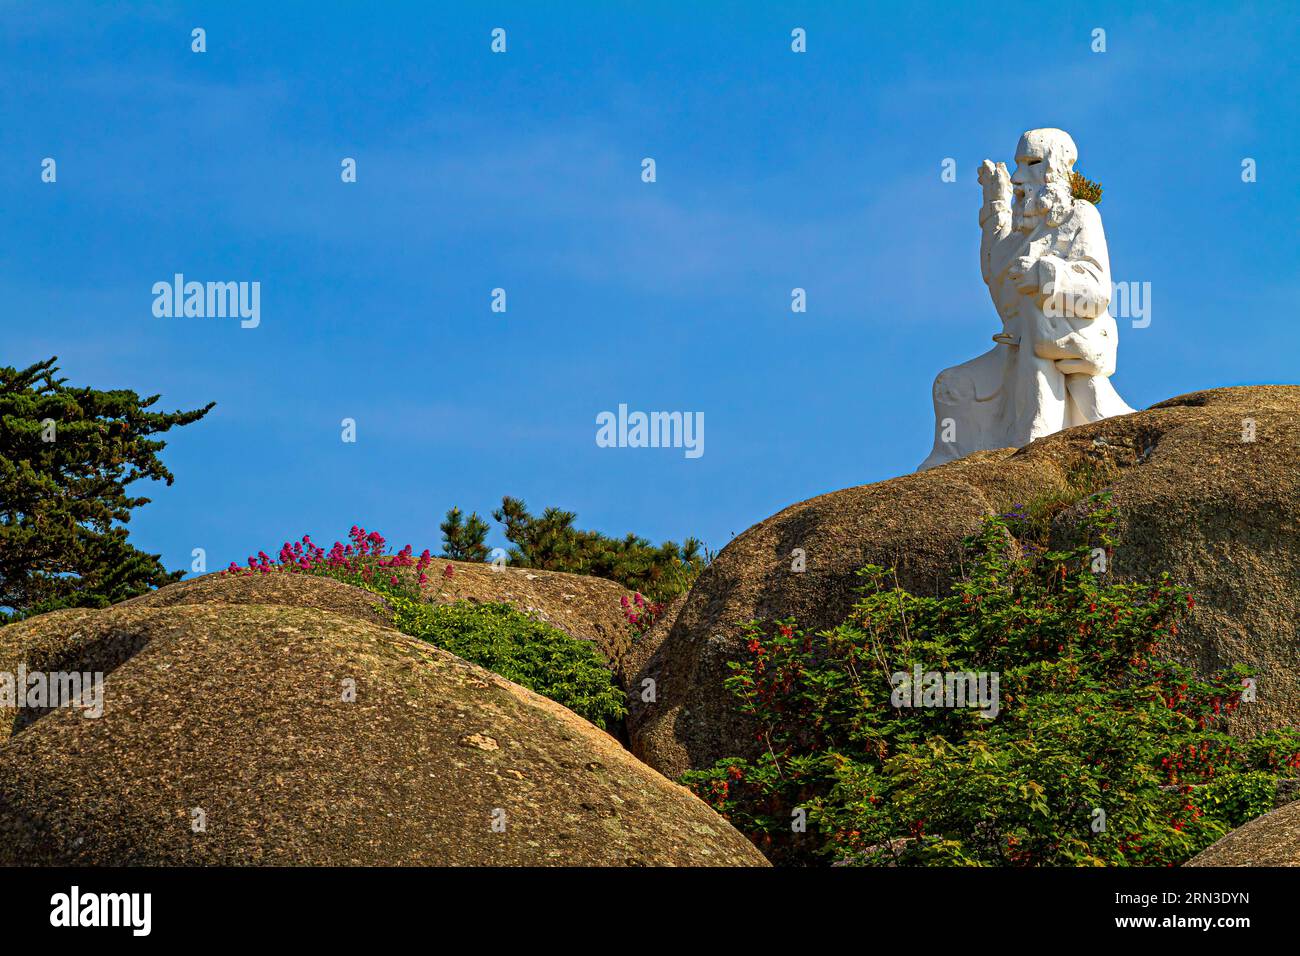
point(522, 170)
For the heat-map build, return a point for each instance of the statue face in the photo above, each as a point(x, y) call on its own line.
point(1032, 164)
point(1041, 179)
point(1031, 170)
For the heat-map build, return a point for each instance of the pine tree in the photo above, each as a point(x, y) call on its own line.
point(551, 542)
point(67, 455)
point(463, 539)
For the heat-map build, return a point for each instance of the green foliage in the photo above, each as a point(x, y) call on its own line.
point(67, 455)
point(551, 543)
point(464, 539)
point(526, 651)
point(1082, 479)
point(1091, 718)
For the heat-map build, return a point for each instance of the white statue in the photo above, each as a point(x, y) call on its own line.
point(1043, 256)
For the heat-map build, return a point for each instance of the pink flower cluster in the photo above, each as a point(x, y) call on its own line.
point(640, 613)
point(363, 556)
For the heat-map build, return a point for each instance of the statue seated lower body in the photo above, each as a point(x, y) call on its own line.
point(1011, 395)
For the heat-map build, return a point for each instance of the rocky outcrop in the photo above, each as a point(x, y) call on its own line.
point(1196, 498)
point(582, 606)
point(275, 720)
point(1270, 840)
point(281, 589)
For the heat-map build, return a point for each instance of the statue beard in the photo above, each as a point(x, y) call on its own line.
point(1052, 202)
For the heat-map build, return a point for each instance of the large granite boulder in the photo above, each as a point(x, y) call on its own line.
point(276, 720)
point(1196, 498)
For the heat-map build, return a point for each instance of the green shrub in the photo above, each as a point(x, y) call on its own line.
point(1033, 519)
point(1102, 752)
point(567, 670)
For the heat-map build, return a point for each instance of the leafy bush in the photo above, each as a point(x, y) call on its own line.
point(542, 658)
point(1102, 752)
point(521, 649)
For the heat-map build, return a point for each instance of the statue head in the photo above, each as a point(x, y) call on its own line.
point(1044, 161)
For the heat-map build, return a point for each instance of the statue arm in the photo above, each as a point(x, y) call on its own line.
point(995, 214)
point(995, 224)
